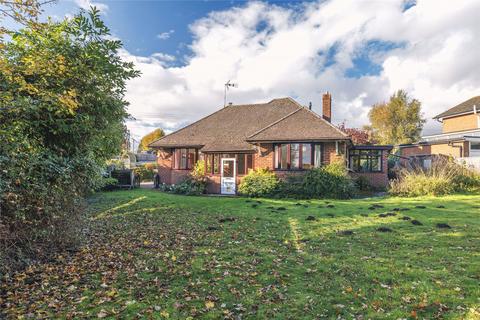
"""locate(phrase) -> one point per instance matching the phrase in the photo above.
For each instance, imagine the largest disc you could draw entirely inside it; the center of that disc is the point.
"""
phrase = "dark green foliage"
(61, 116)
(259, 183)
(190, 187)
(330, 181)
(362, 184)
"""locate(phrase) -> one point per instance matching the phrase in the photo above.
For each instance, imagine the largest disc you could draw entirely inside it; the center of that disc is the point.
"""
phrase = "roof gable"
(303, 124)
(464, 107)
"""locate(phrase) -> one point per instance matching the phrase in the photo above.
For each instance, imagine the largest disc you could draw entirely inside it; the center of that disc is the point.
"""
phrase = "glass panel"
(474, 145)
(284, 156)
(228, 168)
(277, 156)
(294, 156)
(366, 161)
(241, 164)
(209, 158)
(249, 162)
(183, 158)
(363, 165)
(191, 158)
(318, 156)
(216, 162)
(306, 156)
(375, 163)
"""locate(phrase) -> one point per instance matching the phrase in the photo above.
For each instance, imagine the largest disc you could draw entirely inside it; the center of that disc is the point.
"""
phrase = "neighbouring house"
(281, 135)
(460, 137)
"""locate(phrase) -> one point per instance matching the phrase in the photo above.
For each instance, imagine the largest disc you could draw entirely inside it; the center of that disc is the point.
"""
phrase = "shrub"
(106, 184)
(444, 177)
(330, 181)
(195, 183)
(60, 119)
(363, 184)
(146, 172)
(259, 183)
(290, 187)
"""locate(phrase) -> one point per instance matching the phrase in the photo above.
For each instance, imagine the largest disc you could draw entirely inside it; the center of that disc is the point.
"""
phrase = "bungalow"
(460, 137)
(280, 135)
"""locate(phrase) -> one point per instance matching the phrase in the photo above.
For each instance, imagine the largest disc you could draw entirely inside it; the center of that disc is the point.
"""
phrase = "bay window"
(366, 160)
(294, 156)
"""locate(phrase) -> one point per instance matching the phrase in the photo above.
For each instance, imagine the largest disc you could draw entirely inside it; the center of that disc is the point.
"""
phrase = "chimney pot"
(310, 105)
(327, 106)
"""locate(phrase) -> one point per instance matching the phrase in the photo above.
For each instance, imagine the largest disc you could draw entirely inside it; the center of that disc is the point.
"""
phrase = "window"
(241, 164)
(216, 163)
(284, 156)
(294, 156)
(297, 156)
(475, 145)
(249, 162)
(184, 159)
(366, 160)
(306, 156)
(244, 162)
(318, 156)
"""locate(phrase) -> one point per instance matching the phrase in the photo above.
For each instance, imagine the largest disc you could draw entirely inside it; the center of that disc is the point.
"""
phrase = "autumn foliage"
(61, 115)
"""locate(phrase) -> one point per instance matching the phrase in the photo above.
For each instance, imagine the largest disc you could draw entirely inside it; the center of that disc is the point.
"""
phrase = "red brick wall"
(262, 159)
(378, 180)
(167, 174)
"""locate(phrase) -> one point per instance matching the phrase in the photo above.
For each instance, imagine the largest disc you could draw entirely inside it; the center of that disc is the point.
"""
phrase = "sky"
(360, 51)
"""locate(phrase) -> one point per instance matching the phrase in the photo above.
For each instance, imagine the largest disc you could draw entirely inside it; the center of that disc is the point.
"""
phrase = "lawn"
(156, 255)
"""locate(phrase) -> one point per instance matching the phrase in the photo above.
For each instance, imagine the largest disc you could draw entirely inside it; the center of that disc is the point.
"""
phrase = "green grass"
(157, 255)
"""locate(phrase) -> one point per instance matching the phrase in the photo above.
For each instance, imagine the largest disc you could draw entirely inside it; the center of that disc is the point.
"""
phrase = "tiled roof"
(464, 107)
(231, 127)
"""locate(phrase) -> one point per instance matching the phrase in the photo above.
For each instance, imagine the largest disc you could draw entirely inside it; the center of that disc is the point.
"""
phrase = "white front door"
(229, 174)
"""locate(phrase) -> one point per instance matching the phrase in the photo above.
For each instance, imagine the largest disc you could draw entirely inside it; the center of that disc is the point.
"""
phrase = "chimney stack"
(327, 106)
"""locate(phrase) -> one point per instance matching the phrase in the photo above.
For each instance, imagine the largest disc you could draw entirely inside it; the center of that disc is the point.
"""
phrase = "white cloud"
(273, 51)
(86, 4)
(165, 35)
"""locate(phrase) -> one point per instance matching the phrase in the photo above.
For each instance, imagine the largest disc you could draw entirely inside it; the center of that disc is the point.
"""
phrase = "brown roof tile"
(464, 107)
(303, 124)
(229, 128)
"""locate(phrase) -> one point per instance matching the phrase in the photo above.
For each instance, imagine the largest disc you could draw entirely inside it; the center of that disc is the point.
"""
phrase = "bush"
(259, 183)
(106, 184)
(444, 177)
(146, 171)
(330, 181)
(195, 183)
(363, 184)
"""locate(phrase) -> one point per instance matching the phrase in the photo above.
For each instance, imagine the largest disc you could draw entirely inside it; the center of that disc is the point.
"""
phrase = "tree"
(149, 138)
(358, 136)
(398, 121)
(62, 113)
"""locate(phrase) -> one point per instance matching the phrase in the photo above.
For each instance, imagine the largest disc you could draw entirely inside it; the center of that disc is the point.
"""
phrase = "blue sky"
(360, 51)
